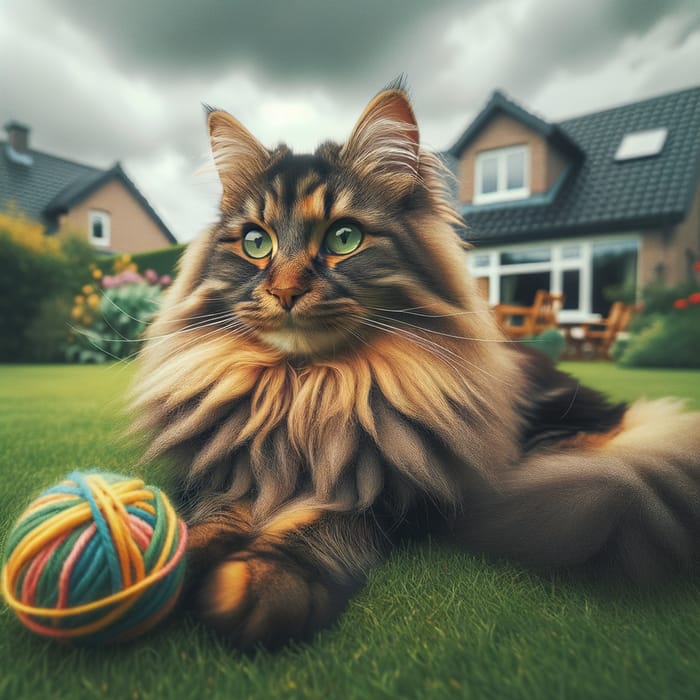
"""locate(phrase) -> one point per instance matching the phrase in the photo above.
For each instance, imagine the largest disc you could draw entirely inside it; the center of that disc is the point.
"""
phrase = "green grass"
(433, 622)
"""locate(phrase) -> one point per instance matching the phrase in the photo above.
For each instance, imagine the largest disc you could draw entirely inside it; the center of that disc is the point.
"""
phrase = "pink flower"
(128, 277)
(108, 281)
(680, 304)
(694, 298)
(166, 281)
(151, 276)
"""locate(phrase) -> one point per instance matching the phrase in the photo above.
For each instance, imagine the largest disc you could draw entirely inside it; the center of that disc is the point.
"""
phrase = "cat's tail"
(630, 496)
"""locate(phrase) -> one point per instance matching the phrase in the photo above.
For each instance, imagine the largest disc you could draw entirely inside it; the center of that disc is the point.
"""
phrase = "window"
(641, 144)
(614, 268)
(501, 175)
(99, 223)
(590, 273)
(520, 289)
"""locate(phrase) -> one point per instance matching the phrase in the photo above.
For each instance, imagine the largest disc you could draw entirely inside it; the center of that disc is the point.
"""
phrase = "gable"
(545, 163)
(599, 193)
(131, 227)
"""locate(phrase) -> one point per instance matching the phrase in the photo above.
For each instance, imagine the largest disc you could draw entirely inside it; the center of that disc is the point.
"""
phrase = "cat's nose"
(287, 296)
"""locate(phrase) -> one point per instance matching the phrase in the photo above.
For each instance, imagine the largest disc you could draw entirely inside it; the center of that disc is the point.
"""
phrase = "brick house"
(69, 197)
(597, 206)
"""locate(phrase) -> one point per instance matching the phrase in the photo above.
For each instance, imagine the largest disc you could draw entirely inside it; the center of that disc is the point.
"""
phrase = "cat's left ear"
(238, 156)
(384, 143)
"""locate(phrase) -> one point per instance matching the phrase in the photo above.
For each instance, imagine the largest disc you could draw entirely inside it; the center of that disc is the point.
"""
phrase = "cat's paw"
(267, 598)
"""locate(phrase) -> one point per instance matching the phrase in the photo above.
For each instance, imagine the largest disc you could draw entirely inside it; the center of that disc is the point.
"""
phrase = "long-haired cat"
(325, 375)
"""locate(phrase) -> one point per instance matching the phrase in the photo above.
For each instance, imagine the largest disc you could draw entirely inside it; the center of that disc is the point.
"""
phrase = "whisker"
(412, 311)
(454, 359)
(451, 358)
(450, 335)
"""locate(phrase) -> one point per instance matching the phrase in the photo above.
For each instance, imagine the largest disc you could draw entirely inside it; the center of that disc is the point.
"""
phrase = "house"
(596, 207)
(68, 197)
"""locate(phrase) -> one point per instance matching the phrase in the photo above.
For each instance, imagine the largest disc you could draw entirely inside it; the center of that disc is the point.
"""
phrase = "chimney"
(17, 136)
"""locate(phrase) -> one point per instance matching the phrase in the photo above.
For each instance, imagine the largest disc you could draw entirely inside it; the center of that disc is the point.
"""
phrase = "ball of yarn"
(97, 558)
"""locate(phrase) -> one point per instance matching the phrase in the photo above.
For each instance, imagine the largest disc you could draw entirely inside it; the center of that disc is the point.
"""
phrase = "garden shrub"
(667, 333)
(551, 342)
(37, 271)
(112, 312)
(163, 260)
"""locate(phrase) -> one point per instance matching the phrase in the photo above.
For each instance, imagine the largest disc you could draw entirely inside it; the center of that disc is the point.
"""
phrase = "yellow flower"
(88, 289)
(79, 299)
(76, 313)
(93, 301)
(86, 320)
(97, 273)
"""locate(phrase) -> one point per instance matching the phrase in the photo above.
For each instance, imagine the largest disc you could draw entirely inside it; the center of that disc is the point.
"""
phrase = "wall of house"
(132, 230)
(546, 164)
(669, 248)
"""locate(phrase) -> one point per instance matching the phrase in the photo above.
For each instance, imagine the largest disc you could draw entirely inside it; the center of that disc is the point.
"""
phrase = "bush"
(112, 313)
(37, 271)
(551, 342)
(163, 260)
(667, 333)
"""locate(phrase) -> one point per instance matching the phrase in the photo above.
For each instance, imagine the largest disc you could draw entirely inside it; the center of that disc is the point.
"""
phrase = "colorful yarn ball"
(98, 558)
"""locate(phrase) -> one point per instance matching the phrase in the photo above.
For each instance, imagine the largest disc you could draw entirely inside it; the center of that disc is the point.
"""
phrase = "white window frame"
(502, 194)
(556, 267)
(104, 217)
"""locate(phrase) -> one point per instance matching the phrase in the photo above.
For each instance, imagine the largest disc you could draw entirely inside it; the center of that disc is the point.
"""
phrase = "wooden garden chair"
(526, 321)
(600, 335)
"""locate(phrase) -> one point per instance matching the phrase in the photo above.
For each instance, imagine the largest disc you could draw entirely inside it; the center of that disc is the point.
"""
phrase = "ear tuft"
(385, 143)
(238, 155)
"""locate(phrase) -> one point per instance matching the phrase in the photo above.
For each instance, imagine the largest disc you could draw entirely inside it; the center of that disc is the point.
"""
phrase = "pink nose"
(287, 296)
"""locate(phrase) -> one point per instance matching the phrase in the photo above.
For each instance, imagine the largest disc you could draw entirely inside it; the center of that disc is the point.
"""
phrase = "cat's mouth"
(330, 328)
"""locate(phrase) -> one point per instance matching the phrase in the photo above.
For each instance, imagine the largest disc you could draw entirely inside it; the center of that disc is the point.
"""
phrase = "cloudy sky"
(108, 80)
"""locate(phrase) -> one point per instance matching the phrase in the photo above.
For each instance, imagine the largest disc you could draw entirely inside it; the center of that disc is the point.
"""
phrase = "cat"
(324, 377)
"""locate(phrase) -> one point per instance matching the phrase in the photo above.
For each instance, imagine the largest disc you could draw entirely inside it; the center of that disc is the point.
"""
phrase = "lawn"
(433, 622)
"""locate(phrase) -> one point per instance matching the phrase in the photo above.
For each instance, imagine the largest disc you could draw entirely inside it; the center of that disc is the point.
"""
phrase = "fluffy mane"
(395, 414)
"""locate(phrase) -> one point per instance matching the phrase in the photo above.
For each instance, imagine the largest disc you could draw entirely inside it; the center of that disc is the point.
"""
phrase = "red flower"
(696, 266)
(680, 304)
(694, 298)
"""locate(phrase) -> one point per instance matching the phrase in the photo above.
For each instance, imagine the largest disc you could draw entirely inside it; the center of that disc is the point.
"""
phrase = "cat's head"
(313, 253)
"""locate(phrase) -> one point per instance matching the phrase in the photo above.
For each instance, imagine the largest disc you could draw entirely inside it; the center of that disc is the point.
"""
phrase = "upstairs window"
(99, 224)
(502, 175)
(641, 144)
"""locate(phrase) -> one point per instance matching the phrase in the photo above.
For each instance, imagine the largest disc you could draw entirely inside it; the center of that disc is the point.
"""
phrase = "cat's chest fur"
(386, 419)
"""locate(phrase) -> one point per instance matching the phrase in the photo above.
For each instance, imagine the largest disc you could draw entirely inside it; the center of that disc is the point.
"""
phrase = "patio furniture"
(601, 335)
(519, 322)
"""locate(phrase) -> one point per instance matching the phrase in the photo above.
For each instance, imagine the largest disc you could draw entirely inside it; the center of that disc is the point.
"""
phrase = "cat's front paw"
(267, 598)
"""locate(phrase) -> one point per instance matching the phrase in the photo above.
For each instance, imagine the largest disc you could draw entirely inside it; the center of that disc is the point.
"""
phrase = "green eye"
(342, 239)
(257, 244)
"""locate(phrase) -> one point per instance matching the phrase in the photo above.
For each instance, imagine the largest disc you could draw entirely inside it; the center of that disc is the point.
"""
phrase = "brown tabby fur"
(314, 403)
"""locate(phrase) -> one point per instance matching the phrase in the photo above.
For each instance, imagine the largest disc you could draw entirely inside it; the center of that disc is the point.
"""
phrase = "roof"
(43, 186)
(598, 194)
(500, 103)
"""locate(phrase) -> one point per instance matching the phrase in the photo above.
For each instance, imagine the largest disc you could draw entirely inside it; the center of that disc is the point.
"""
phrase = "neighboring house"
(595, 207)
(68, 197)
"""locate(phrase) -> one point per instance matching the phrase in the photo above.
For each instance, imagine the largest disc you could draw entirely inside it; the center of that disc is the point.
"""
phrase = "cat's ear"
(238, 155)
(385, 142)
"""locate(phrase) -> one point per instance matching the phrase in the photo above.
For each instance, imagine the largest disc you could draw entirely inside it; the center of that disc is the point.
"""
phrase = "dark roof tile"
(601, 194)
(52, 185)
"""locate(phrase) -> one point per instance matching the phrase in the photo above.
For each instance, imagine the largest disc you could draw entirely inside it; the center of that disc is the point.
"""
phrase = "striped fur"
(307, 435)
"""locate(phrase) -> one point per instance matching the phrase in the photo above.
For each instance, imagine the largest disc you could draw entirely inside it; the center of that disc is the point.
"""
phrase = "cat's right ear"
(238, 156)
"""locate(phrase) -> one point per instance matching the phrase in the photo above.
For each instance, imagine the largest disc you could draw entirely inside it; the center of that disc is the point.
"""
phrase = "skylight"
(641, 144)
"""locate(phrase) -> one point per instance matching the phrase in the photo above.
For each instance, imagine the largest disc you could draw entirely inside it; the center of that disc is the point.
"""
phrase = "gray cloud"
(105, 80)
(299, 41)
